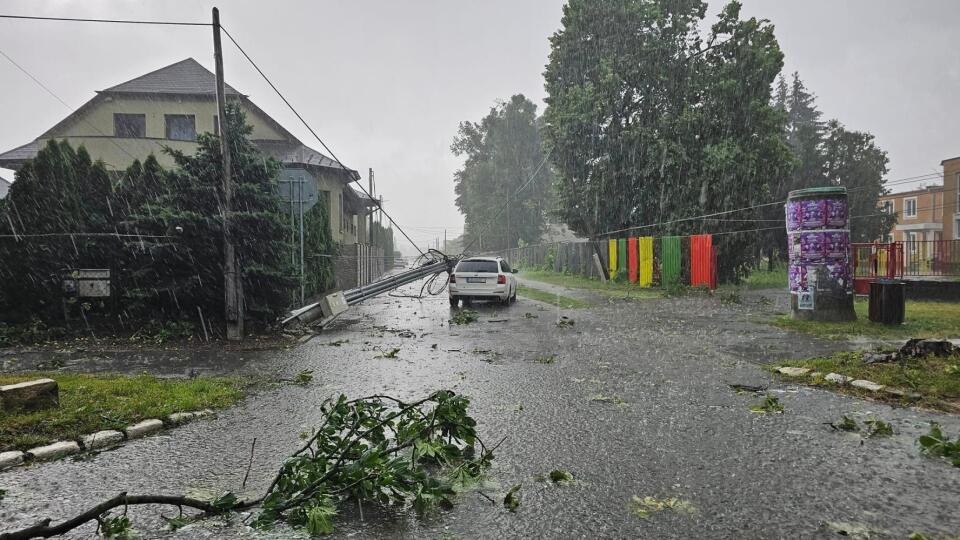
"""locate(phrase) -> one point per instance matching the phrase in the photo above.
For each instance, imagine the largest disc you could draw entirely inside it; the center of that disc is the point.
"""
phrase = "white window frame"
(956, 227)
(912, 242)
(905, 206)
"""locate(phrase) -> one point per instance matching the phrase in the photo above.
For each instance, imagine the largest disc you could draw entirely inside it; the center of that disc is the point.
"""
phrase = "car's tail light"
(453, 278)
(501, 279)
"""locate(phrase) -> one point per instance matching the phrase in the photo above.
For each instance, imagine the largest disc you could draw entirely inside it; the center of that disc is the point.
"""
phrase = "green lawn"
(923, 320)
(762, 279)
(90, 403)
(936, 379)
(547, 297)
(609, 288)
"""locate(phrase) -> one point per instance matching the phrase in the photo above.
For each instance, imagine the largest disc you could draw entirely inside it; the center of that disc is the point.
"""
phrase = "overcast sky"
(385, 83)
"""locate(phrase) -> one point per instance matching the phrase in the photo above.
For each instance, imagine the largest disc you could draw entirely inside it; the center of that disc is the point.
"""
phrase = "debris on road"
(646, 506)
(545, 359)
(565, 322)
(936, 444)
(511, 501)
(464, 316)
(913, 348)
(770, 404)
(558, 476)
(747, 389)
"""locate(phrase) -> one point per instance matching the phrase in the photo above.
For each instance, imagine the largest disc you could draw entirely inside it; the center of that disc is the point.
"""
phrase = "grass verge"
(935, 379)
(564, 302)
(763, 279)
(90, 403)
(609, 288)
(922, 320)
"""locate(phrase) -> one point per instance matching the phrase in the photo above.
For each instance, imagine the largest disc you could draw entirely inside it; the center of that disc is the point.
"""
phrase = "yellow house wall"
(118, 153)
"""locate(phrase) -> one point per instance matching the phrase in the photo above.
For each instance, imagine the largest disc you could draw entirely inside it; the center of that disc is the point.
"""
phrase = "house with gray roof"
(168, 107)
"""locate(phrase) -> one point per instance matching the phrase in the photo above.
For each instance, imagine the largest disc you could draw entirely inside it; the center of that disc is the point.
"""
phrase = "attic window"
(181, 127)
(130, 125)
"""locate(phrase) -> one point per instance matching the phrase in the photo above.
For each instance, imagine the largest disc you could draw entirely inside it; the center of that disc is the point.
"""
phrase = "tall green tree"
(185, 270)
(503, 151)
(853, 160)
(652, 122)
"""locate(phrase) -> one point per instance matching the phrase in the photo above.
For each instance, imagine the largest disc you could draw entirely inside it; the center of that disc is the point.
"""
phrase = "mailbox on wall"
(87, 283)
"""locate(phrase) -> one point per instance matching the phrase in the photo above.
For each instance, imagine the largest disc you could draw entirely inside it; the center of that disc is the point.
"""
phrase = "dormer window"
(131, 126)
(181, 127)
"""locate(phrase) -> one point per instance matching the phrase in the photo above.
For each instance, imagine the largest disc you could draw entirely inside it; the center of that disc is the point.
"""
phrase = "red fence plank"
(632, 259)
(701, 261)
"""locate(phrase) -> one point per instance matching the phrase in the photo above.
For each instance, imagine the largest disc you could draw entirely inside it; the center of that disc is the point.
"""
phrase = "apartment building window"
(133, 126)
(887, 207)
(181, 127)
(910, 207)
(912, 243)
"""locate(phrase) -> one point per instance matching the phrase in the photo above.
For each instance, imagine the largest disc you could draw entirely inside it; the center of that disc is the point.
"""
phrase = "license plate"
(476, 280)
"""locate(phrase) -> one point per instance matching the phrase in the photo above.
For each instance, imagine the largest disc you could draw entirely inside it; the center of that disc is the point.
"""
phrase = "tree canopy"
(652, 122)
(503, 151)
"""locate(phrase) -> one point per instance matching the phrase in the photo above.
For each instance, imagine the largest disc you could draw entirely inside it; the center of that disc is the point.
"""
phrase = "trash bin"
(887, 301)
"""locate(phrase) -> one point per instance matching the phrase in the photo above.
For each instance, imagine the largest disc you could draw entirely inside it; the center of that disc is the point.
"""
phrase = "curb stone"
(10, 459)
(867, 385)
(793, 371)
(102, 439)
(54, 451)
(91, 441)
(142, 429)
(837, 378)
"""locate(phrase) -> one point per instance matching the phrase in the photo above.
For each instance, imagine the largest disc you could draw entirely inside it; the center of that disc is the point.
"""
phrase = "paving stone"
(142, 429)
(102, 439)
(54, 451)
(10, 459)
(30, 395)
(867, 385)
(793, 371)
(837, 378)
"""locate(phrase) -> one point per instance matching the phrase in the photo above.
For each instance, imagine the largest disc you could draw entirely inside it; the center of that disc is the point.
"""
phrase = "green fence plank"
(670, 253)
(622, 256)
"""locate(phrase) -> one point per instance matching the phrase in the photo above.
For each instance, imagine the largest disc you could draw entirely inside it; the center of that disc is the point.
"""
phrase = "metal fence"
(563, 257)
(930, 258)
(916, 259)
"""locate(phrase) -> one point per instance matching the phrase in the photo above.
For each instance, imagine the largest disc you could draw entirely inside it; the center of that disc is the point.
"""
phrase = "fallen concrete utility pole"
(336, 303)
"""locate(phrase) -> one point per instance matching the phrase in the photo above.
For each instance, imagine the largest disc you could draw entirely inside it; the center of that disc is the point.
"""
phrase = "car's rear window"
(478, 266)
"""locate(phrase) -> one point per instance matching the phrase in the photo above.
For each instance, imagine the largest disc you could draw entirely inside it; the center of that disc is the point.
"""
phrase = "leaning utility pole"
(232, 288)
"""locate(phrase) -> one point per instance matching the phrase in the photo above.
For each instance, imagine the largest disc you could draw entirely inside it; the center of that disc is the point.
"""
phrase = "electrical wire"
(113, 21)
(314, 133)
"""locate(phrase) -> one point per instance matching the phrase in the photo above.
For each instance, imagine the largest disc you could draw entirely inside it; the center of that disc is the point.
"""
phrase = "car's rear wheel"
(454, 301)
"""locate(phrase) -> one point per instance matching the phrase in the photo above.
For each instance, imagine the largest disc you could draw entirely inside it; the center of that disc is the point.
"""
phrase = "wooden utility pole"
(232, 288)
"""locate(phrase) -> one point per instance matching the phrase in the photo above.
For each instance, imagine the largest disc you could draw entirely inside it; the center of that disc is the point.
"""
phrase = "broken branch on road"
(376, 449)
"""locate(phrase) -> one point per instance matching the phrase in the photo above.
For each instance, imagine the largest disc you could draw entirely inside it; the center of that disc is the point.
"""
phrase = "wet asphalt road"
(678, 430)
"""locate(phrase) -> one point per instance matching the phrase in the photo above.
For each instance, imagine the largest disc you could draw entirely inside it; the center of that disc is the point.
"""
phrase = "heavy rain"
(447, 269)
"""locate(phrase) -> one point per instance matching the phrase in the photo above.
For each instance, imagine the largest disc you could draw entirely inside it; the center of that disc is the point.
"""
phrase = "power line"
(314, 133)
(752, 207)
(72, 234)
(113, 21)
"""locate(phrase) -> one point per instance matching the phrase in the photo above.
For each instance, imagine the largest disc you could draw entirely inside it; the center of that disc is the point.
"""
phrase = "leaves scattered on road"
(770, 404)
(646, 506)
(559, 476)
(511, 501)
(565, 322)
(304, 377)
(936, 444)
(545, 359)
(388, 353)
(464, 316)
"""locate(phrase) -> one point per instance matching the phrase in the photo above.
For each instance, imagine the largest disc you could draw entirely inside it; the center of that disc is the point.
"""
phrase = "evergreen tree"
(502, 152)
(186, 270)
(59, 201)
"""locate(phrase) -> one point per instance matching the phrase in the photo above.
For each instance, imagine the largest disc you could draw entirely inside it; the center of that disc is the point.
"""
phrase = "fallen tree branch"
(338, 467)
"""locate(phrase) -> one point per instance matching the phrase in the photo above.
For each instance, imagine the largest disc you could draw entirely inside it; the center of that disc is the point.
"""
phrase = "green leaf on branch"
(511, 501)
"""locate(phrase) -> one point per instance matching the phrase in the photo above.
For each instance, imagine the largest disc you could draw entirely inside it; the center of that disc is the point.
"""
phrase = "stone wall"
(357, 264)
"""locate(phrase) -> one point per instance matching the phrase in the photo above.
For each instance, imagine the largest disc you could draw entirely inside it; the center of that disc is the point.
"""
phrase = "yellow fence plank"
(645, 260)
(612, 257)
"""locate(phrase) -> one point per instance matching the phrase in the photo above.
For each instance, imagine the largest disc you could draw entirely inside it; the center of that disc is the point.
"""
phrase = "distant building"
(951, 192)
(4, 187)
(919, 214)
(169, 107)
